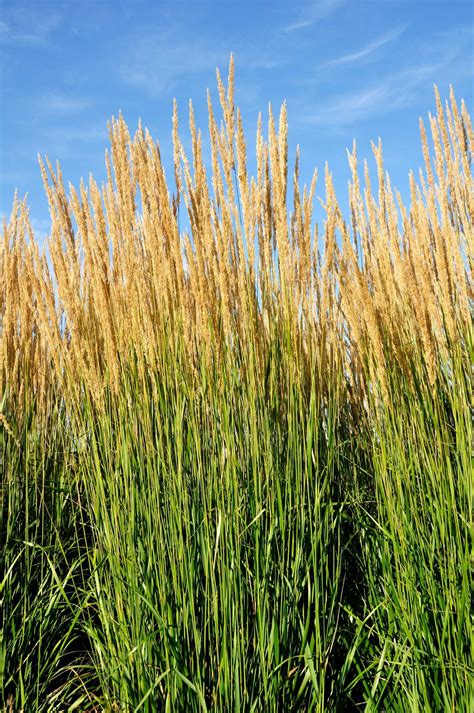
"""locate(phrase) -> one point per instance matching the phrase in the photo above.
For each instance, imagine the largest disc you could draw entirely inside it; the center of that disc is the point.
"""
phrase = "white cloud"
(27, 26)
(438, 60)
(64, 104)
(64, 141)
(156, 65)
(367, 50)
(318, 10)
(393, 91)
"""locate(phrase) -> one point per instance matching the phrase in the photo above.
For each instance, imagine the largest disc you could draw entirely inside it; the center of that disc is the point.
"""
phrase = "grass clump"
(236, 459)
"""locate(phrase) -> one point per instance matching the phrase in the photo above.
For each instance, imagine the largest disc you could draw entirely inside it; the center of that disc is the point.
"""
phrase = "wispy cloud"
(64, 104)
(317, 10)
(391, 92)
(437, 60)
(368, 50)
(67, 141)
(78, 134)
(157, 66)
(27, 26)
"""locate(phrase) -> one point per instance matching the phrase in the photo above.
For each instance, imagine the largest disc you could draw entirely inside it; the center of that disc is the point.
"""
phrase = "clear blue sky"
(347, 68)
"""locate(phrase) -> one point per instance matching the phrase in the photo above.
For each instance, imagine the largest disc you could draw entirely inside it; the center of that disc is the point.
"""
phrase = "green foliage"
(230, 539)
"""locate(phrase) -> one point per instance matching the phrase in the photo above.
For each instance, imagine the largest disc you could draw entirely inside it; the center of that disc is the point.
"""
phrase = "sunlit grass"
(239, 480)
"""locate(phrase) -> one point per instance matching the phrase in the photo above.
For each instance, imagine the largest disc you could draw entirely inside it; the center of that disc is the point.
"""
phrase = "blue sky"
(347, 69)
